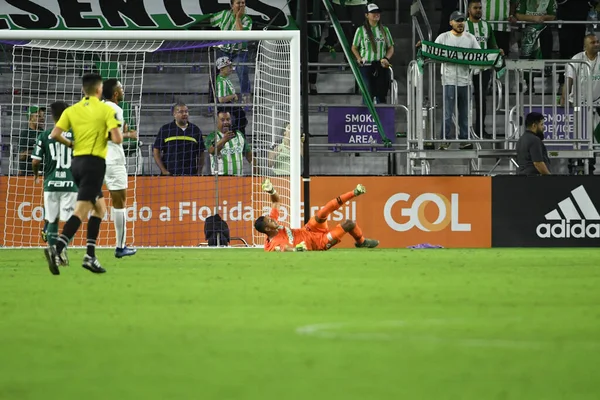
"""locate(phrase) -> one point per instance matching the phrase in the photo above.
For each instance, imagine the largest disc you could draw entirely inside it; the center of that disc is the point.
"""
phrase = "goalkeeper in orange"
(315, 235)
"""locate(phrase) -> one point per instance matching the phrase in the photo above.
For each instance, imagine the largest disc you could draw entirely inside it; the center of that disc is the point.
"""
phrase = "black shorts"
(88, 174)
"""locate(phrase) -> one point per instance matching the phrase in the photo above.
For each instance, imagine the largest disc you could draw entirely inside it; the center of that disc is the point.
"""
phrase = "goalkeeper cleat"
(367, 244)
(53, 259)
(64, 259)
(360, 189)
(44, 235)
(124, 252)
(92, 264)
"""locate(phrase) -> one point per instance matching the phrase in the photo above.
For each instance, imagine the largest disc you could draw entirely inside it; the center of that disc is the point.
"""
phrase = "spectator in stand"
(482, 30)
(227, 148)
(178, 148)
(568, 34)
(373, 48)
(225, 94)
(591, 46)
(538, 11)
(279, 157)
(532, 156)
(27, 138)
(236, 19)
(500, 10)
(456, 81)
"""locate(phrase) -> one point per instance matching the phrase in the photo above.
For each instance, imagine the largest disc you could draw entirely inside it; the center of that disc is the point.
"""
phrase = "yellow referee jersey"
(89, 120)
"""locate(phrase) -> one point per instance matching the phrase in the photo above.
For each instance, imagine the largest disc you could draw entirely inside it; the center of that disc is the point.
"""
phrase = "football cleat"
(53, 259)
(367, 244)
(92, 264)
(124, 252)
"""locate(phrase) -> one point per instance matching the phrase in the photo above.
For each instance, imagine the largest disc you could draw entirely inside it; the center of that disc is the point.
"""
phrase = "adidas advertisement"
(546, 211)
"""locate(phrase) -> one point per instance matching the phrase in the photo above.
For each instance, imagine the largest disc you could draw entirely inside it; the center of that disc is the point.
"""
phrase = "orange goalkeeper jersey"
(287, 237)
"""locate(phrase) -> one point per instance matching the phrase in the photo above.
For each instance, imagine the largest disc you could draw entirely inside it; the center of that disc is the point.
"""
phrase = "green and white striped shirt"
(497, 10)
(225, 20)
(231, 157)
(224, 87)
(483, 32)
(362, 42)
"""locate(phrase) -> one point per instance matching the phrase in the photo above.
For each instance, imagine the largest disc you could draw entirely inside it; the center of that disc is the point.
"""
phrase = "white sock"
(120, 228)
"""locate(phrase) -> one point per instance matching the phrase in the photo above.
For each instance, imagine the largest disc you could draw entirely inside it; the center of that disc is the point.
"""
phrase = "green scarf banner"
(460, 55)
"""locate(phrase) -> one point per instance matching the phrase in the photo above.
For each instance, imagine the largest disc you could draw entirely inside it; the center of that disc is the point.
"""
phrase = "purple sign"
(560, 126)
(356, 125)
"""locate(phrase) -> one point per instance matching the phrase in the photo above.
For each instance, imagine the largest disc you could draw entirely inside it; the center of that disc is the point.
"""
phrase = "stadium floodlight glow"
(47, 66)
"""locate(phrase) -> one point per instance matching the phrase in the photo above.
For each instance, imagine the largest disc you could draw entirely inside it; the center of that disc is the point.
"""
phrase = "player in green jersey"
(60, 191)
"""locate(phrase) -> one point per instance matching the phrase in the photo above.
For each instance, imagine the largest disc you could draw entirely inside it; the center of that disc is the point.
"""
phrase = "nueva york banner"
(132, 14)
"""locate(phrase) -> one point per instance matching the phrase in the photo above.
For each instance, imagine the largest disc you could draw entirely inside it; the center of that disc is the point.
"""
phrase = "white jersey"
(116, 154)
(578, 69)
(457, 74)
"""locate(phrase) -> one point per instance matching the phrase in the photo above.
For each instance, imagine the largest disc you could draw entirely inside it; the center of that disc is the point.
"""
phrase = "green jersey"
(483, 32)
(230, 160)
(224, 87)
(497, 10)
(57, 163)
(365, 47)
(225, 20)
(537, 7)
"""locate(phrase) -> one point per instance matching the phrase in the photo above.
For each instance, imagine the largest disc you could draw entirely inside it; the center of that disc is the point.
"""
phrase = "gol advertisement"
(170, 211)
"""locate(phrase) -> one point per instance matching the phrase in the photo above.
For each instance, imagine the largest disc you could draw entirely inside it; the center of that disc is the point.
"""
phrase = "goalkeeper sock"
(334, 204)
(69, 230)
(120, 226)
(92, 234)
(357, 234)
(52, 231)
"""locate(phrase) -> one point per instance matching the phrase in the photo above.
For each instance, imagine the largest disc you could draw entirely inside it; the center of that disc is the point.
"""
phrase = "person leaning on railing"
(373, 48)
(591, 46)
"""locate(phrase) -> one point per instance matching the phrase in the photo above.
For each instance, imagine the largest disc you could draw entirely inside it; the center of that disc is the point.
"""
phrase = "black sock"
(92, 234)
(69, 230)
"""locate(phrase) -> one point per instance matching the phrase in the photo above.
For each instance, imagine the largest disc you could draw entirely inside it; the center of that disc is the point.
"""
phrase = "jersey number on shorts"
(61, 155)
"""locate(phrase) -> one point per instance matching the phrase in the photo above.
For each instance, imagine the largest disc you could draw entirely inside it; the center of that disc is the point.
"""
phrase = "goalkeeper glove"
(267, 186)
(301, 247)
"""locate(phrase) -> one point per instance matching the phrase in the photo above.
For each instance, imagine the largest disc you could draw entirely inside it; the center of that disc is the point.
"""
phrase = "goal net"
(183, 167)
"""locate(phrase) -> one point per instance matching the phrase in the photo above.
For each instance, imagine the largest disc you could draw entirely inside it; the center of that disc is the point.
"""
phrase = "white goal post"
(266, 130)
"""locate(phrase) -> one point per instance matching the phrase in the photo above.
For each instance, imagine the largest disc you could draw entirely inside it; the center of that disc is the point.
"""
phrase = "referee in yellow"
(93, 124)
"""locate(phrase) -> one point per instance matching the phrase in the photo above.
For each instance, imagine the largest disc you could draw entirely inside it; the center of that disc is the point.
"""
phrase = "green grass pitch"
(344, 324)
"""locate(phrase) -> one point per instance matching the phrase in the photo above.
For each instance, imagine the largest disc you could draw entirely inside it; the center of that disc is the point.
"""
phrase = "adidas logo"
(575, 219)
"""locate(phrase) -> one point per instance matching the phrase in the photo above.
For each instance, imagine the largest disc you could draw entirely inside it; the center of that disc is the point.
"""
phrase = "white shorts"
(59, 205)
(116, 177)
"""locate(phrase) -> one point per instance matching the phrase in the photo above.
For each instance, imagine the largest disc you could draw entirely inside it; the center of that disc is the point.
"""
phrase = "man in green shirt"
(501, 10)
(482, 30)
(235, 19)
(27, 138)
(60, 191)
(225, 94)
(227, 148)
(538, 11)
